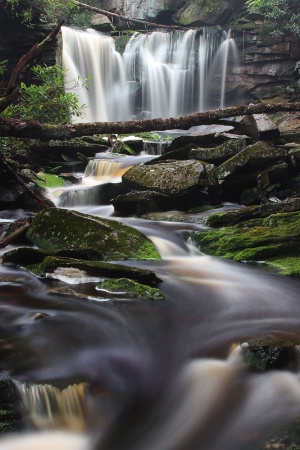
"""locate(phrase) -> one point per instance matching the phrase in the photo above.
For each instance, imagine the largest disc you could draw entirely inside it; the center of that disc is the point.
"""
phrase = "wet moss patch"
(129, 288)
(269, 238)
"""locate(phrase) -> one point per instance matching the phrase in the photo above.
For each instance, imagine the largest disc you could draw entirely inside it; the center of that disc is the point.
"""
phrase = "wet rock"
(259, 155)
(169, 178)
(58, 267)
(195, 13)
(269, 239)
(258, 211)
(263, 127)
(130, 289)
(220, 153)
(11, 409)
(56, 230)
(271, 357)
(10, 195)
(101, 23)
(141, 202)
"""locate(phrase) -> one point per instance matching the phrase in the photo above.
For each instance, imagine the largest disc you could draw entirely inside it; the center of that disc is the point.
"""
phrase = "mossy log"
(28, 129)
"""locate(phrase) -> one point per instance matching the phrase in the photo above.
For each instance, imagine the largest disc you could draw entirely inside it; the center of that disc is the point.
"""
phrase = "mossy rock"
(48, 180)
(58, 230)
(169, 178)
(129, 288)
(50, 264)
(276, 236)
(258, 155)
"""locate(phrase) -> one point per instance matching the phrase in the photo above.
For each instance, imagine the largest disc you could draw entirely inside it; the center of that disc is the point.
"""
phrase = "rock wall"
(269, 67)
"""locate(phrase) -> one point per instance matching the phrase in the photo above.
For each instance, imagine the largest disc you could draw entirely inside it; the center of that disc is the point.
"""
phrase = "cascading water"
(162, 374)
(159, 75)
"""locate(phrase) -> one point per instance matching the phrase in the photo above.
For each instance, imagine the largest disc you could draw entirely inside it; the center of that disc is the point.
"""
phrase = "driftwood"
(128, 19)
(28, 129)
(24, 185)
(9, 238)
(26, 61)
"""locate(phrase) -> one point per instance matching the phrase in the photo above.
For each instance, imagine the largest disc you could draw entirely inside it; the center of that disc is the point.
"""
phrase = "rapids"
(167, 375)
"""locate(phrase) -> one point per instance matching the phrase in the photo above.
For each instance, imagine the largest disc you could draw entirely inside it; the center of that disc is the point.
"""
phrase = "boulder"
(271, 239)
(207, 12)
(70, 233)
(142, 202)
(259, 155)
(169, 178)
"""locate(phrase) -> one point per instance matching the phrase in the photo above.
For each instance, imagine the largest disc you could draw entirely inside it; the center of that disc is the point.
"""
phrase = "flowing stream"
(124, 374)
(170, 375)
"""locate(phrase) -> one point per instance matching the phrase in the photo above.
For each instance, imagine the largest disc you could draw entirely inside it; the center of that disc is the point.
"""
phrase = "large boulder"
(70, 233)
(207, 12)
(169, 178)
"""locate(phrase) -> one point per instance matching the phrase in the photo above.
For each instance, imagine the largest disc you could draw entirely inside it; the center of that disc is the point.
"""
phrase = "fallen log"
(20, 128)
(128, 20)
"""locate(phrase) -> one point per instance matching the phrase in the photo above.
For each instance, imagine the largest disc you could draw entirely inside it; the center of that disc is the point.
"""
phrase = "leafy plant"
(26, 10)
(3, 67)
(47, 101)
(282, 16)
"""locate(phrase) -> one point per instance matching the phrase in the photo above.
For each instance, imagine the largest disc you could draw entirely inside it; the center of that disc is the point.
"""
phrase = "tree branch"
(23, 64)
(128, 19)
(28, 129)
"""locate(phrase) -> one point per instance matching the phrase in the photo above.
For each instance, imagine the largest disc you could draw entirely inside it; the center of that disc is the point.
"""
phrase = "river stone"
(57, 230)
(141, 202)
(170, 178)
(124, 287)
(219, 154)
(258, 155)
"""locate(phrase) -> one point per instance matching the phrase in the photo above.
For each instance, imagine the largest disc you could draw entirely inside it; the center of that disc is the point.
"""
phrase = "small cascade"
(160, 74)
(154, 147)
(100, 168)
(51, 408)
(97, 172)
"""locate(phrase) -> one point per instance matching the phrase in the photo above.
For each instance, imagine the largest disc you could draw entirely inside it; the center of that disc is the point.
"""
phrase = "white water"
(160, 74)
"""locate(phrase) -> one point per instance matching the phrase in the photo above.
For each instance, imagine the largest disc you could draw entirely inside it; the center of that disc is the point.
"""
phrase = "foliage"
(3, 67)
(282, 16)
(27, 10)
(46, 102)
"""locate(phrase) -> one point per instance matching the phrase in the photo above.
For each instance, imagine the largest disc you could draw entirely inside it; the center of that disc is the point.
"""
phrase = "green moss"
(286, 266)
(277, 235)
(56, 230)
(130, 288)
(49, 180)
(93, 268)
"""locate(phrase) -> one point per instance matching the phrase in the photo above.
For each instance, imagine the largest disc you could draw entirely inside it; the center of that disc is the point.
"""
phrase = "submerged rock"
(88, 237)
(129, 288)
(67, 268)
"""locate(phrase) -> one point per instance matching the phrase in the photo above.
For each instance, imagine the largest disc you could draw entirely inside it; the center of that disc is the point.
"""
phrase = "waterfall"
(50, 407)
(160, 74)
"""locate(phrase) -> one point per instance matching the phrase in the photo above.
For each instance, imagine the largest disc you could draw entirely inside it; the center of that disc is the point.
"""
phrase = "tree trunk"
(28, 129)
(26, 61)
